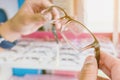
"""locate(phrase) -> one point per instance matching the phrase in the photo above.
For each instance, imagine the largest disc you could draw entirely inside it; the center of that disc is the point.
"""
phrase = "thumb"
(89, 70)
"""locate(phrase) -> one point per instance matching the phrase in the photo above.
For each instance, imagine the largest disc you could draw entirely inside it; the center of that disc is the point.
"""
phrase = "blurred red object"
(44, 77)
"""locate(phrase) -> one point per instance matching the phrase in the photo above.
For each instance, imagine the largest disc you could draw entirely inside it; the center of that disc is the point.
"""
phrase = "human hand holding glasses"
(90, 70)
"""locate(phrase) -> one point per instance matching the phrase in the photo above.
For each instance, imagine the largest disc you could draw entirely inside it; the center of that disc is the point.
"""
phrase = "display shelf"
(39, 51)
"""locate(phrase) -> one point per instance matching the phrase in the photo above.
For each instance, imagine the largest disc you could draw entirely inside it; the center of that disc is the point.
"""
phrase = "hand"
(89, 70)
(27, 20)
(29, 17)
(108, 64)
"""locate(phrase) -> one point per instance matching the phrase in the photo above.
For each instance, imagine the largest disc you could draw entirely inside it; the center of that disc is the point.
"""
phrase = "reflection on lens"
(69, 57)
(76, 35)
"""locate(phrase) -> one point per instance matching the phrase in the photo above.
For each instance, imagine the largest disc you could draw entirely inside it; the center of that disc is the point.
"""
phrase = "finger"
(108, 59)
(105, 70)
(45, 3)
(89, 70)
(55, 13)
(35, 21)
(110, 65)
(38, 5)
(56, 16)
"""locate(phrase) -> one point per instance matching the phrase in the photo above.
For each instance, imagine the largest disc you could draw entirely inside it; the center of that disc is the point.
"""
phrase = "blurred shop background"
(100, 16)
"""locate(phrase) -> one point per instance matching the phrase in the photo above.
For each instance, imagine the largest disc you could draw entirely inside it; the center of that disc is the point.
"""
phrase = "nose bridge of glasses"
(62, 14)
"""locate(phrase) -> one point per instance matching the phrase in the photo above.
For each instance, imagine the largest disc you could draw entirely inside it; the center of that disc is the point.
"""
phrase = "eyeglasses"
(76, 43)
(77, 35)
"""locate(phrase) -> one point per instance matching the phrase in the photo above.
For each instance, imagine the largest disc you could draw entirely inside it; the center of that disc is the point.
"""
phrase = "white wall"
(10, 6)
(119, 15)
(99, 15)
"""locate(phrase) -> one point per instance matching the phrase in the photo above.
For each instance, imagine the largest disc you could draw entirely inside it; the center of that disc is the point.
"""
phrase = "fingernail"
(90, 59)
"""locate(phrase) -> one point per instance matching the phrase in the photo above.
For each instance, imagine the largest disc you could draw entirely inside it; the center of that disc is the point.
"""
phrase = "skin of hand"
(27, 20)
(108, 64)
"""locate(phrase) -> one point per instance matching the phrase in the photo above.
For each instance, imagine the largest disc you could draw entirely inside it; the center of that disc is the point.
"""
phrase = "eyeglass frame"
(95, 43)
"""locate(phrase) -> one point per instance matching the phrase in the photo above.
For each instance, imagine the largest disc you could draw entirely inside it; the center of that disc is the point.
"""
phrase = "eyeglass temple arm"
(89, 46)
(97, 49)
(55, 33)
(97, 55)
